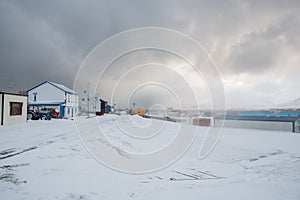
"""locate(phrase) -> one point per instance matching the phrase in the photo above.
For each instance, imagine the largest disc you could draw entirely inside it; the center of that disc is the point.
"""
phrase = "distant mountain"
(291, 104)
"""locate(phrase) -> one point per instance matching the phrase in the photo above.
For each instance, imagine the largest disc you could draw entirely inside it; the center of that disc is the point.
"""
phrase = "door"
(62, 111)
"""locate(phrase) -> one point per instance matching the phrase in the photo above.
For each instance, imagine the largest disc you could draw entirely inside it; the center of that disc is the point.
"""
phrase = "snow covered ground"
(46, 160)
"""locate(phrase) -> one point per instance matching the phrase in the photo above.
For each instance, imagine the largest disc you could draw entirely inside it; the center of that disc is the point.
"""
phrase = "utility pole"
(87, 93)
(88, 100)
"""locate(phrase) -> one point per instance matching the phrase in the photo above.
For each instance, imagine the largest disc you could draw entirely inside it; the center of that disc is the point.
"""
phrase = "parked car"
(36, 115)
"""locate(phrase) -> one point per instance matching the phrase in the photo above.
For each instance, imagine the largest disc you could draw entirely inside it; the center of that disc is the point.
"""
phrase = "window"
(15, 108)
(68, 111)
(34, 96)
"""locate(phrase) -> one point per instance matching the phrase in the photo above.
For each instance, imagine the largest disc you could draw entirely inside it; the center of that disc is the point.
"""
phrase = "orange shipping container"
(138, 111)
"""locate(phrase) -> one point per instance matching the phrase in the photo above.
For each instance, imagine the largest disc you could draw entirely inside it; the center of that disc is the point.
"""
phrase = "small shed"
(13, 108)
(202, 121)
(103, 105)
(276, 123)
(138, 111)
(108, 108)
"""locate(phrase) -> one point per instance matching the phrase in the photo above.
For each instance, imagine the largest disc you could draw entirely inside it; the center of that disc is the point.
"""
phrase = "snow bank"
(46, 160)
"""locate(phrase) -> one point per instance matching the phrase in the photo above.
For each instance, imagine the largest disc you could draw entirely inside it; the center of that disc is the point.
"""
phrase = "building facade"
(54, 95)
(276, 123)
(13, 108)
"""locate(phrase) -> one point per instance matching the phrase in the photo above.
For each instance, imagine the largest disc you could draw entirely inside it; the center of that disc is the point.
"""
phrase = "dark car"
(36, 115)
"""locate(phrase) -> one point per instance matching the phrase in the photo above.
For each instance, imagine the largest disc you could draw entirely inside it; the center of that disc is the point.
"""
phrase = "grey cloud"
(255, 55)
(48, 40)
(260, 51)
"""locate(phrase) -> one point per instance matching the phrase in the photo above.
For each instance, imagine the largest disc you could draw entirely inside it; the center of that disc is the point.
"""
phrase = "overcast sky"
(255, 44)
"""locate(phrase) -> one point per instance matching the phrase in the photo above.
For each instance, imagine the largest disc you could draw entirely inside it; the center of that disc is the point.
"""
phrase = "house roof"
(271, 113)
(259, 118)
(13, 94)
(59, 86)
(103, 101)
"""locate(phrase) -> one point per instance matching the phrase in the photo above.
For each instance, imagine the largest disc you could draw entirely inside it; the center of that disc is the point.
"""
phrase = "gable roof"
(59, 86)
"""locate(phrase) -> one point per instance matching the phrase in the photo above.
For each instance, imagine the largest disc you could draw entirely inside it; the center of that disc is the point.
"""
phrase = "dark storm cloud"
(32, 50)
(49, 39)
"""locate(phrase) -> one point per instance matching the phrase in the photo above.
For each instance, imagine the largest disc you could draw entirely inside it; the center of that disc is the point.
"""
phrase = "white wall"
(264, 125)
(0, 108)
(47, 92)
(297, 126)
(71, 105)
(7, 119)
(72, 100)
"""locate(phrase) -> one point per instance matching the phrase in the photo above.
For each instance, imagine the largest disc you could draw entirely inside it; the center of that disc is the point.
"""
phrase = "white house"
(54, 95)
(13, 108)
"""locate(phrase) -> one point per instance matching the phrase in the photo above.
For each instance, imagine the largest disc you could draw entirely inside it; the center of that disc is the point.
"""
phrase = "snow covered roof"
(16, 94)
(59, 86)
(259, 118)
